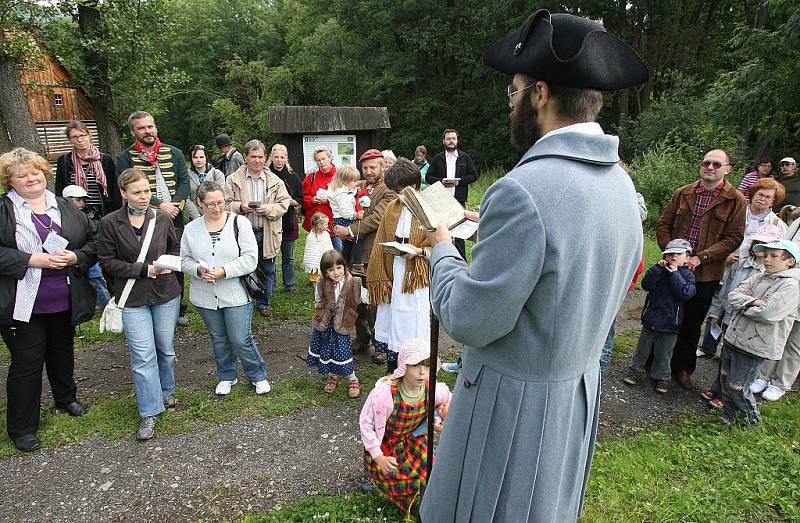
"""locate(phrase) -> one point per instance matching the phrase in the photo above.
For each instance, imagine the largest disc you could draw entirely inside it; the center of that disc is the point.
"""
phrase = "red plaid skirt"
(403, 485)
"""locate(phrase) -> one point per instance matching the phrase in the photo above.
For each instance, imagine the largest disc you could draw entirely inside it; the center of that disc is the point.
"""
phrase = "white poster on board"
(342, 145)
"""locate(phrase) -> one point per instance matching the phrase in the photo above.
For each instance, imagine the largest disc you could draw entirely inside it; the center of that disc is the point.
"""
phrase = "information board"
(342, 145)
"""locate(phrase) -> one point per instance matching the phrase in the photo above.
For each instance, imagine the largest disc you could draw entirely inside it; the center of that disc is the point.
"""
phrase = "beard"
(525, 128)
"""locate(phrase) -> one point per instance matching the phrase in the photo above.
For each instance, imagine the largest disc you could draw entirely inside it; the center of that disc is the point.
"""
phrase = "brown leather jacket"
(721, 227)
(366, 227)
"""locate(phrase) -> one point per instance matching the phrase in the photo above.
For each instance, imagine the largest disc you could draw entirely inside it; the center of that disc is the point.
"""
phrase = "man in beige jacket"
(254, 191)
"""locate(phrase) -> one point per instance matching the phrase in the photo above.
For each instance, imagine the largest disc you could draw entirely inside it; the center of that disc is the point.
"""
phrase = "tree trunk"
(761, 15)
(14, 108)
(5, 140)
(90, 23)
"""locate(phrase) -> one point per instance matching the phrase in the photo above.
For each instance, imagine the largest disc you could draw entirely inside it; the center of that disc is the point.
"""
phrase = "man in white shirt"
(456, 170)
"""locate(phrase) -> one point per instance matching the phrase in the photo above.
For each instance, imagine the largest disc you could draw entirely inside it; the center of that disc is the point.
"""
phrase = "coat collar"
(577, 145)
(727, 192)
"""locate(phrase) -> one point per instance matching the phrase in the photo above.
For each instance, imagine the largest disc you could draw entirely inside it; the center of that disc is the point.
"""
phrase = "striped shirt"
(94, 202)
(28, 241)
(258, 190)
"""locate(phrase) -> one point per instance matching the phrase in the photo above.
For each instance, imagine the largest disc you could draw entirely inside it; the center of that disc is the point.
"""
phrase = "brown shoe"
(265, 311)
(684, 379)
(353, 389)
(330, 385)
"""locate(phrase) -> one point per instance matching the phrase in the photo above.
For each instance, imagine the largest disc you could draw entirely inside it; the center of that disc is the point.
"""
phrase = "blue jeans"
(268, 266)
(608, 348)
(231, 337)
(337, 243)
(709, 344)
(150, 331)
(99, 284)
(287, 264)
(738, 369)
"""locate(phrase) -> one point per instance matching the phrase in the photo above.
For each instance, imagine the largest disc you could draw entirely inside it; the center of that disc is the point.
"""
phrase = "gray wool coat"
(560, 239)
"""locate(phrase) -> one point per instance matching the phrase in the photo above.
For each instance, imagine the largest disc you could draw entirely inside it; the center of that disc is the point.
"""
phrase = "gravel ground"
(222, 472)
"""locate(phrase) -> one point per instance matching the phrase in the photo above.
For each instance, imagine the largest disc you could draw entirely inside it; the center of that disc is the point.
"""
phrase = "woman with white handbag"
(46, 248)
(131, 239)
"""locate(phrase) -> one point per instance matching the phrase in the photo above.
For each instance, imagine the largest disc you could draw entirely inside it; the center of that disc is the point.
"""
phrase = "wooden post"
(432, 386)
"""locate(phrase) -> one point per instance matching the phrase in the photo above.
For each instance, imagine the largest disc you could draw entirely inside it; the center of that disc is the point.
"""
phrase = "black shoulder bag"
(254, 283)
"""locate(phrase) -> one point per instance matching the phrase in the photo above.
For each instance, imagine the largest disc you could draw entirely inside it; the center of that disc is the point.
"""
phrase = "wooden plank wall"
(55, 141)
(40, 85)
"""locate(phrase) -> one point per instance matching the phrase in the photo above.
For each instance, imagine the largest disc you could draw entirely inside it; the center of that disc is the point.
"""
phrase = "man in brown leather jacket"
(377, 198)
(710, 213)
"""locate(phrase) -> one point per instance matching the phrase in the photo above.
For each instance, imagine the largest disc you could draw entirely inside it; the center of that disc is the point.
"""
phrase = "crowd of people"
(726, 260)
(729, 260)
(110, 235)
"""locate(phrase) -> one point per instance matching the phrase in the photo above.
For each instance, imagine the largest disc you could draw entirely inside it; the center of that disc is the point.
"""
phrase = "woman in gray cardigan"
(215, 259)
(200, 171)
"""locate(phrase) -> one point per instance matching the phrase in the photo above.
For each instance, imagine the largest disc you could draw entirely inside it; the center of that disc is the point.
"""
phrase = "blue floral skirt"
(330, 352)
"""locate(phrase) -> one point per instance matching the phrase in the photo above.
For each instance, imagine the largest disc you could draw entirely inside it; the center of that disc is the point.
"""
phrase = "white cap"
(788, 159)
(74, 191)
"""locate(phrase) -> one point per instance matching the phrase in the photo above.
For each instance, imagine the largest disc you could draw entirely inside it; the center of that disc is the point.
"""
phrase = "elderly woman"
(763, 195)
(312, 183)
(217, 249)
(46, 248)
(150, 312)
(398, 285)
(89, 169)
(200, 171)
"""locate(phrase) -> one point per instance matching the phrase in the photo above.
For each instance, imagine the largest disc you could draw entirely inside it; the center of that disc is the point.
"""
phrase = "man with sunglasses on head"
(710, 214)
(790, 181)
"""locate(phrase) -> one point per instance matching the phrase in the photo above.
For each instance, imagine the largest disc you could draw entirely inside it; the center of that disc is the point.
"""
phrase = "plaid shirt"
(704, 198)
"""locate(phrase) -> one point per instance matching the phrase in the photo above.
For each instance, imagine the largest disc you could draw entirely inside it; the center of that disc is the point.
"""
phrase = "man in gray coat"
(559, 241)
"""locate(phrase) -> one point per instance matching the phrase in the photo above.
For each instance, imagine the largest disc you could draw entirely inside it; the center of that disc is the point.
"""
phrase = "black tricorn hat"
(568, 50)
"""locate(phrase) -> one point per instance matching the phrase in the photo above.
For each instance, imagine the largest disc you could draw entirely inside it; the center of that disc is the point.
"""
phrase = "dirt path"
(248, 465)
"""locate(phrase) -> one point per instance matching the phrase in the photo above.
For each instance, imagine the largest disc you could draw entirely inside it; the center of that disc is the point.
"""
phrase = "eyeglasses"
(712, 163)
(786, 163)
(512, 91)
(215, 205)
(199, 148)
(763, 196)
(77, 136)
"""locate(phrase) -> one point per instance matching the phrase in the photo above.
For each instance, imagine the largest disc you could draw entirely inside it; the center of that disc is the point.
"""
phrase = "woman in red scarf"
(95, 173)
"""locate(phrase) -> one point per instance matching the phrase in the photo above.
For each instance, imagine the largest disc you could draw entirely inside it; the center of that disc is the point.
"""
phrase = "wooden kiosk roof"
(300, 119)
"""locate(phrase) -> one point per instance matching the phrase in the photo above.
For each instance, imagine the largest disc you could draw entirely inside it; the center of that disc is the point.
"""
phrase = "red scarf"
(152, 158)
(92, 156)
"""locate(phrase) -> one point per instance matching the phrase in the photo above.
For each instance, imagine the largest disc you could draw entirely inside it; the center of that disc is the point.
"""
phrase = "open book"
(398, 249)
(433, 205)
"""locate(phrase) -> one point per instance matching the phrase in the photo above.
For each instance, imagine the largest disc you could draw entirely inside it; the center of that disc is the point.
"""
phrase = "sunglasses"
(199, 148)
(712, 163)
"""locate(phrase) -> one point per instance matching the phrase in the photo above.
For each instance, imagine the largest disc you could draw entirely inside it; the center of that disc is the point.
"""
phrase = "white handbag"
(111, 319)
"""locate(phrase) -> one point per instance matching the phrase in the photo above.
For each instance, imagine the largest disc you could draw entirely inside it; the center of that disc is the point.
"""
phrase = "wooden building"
(52, 104)
(349, 131)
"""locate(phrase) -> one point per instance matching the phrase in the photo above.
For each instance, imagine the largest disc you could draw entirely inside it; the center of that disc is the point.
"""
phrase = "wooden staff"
(432, 386)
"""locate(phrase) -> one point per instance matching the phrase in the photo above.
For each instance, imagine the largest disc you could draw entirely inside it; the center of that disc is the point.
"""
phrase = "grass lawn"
(693, 471)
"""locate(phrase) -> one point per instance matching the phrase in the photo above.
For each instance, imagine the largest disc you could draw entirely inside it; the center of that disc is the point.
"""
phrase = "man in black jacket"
(456, 170)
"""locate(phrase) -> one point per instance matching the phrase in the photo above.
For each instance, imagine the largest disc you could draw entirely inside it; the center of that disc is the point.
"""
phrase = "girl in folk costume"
(336, 301)
(318, 242)
(395, 450)
(398, 285)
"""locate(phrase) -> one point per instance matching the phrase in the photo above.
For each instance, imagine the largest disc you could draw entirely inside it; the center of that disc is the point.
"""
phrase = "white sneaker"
(224, 387)
(773, 393)
(262, 387)
(758, 385)
(452, 367)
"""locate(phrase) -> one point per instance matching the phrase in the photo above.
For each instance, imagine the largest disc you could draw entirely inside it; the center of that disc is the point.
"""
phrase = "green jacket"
(173, 169)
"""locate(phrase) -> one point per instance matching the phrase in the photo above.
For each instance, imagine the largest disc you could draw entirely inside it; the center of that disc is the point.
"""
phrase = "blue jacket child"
(667, 292)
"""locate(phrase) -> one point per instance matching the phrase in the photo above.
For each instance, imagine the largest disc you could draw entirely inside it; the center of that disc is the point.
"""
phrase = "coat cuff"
(442, 251)
(375, 452)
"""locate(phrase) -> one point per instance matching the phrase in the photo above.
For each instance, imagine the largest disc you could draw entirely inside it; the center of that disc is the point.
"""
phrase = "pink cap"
(767, 233)
(412, 351)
